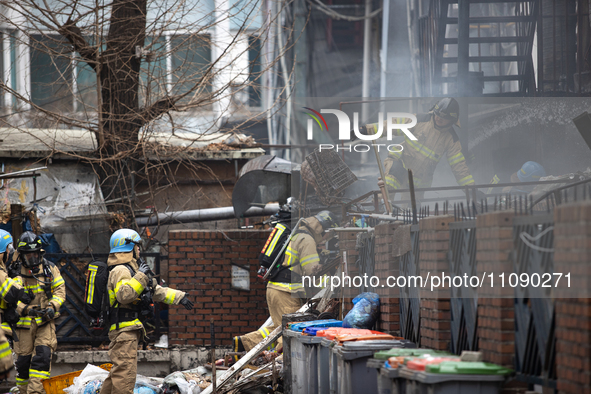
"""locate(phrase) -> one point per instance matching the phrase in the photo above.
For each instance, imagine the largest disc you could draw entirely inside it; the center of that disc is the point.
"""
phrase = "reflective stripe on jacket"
(422, 155)
(301, 255)
(124, 289)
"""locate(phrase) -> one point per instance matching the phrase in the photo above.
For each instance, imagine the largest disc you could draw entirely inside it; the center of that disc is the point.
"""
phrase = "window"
(51, 73)
(254, 71)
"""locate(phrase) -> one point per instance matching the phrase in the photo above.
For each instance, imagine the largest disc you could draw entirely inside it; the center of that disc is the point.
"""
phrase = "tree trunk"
(119, 74)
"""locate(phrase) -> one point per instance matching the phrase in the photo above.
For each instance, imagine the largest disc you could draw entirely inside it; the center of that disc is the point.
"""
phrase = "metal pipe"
(204, 215)
(13, 174)
(349, 229)
(384, 54)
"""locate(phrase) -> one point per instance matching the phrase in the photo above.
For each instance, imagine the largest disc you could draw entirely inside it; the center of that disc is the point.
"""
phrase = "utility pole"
(301, 76)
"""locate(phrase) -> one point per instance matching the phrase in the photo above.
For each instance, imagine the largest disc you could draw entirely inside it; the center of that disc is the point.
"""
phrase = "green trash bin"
(456, 377)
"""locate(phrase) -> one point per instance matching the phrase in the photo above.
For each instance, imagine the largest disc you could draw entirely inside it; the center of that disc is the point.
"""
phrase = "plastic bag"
(89, 374)
(364, 313)
(93, 387)
(185, 387)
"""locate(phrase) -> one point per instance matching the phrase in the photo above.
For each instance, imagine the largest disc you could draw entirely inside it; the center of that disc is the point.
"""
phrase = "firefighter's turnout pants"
(34, 349)
(280, 303)
(123, 354)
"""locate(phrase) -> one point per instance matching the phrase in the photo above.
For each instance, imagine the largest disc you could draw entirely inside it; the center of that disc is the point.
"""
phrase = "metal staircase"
(478, 47)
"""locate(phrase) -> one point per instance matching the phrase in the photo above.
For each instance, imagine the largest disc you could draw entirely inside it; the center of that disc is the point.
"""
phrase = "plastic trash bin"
(309, 345)
(456, 377)
(323, 356)
(390, 381)
(297, 360)
(382, 384)
(353, 375)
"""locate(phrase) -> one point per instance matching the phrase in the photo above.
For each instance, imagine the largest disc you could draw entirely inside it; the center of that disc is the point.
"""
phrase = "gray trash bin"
(298, 362)
(323, 363)
(382, 382)
(420, 382)
(309, 346)
(353, 374)
(392, 381)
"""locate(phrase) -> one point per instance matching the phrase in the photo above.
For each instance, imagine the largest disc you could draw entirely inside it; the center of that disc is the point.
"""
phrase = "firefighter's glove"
(11, 316)
(144, 268)
(25, 298)
(186, 302)
(49, 314)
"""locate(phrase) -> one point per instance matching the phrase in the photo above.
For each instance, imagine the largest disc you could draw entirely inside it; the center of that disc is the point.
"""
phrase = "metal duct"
(262, 180)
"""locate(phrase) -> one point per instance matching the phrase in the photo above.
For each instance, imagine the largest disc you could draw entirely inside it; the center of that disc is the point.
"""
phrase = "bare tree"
(126, 69)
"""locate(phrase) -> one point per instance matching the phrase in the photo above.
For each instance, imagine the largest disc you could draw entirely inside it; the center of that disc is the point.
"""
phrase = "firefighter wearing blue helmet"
(131, 289)
(11, 293)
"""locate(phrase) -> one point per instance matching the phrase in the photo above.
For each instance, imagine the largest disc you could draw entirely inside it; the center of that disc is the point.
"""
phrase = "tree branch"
(74, 35)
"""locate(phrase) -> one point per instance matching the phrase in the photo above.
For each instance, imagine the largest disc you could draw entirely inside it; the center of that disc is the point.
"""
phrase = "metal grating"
(464, 301)
(331, 173)
(535, 341)
(410, 304)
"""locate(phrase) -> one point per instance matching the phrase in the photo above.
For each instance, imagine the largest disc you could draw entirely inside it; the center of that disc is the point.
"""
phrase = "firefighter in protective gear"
(127, 283)
(530, 171)
(11, 292)
(285, 291)
(435, 137)
(36, 328)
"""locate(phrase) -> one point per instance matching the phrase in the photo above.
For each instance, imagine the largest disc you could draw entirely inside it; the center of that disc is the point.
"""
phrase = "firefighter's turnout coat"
(301, 258)
(124, 290)
(37, 338)
(423, 155)
(9, 292)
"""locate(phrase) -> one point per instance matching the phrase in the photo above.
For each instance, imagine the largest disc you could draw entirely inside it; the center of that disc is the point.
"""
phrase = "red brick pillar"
(200, 263)
(572, 253)
(496, 314)
(387, 265)
(435, 305)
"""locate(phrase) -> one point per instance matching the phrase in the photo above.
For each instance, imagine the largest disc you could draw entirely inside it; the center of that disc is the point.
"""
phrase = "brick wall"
(200, 263)
(435, 305)
(572, 253)
(496, 317)
(386, 265)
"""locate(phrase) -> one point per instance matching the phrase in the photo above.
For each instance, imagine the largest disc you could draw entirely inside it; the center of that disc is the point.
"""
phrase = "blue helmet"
(124, 240)
(5, 241)
(531, 172)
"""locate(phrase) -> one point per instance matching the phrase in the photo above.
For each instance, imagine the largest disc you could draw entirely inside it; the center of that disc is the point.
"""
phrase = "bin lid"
(307, 339)
(386, 354)
(467, 368)
(419, 364)
(299, 326)
(290, 333)
(355, 350)
(332, 332)
(313, 330)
